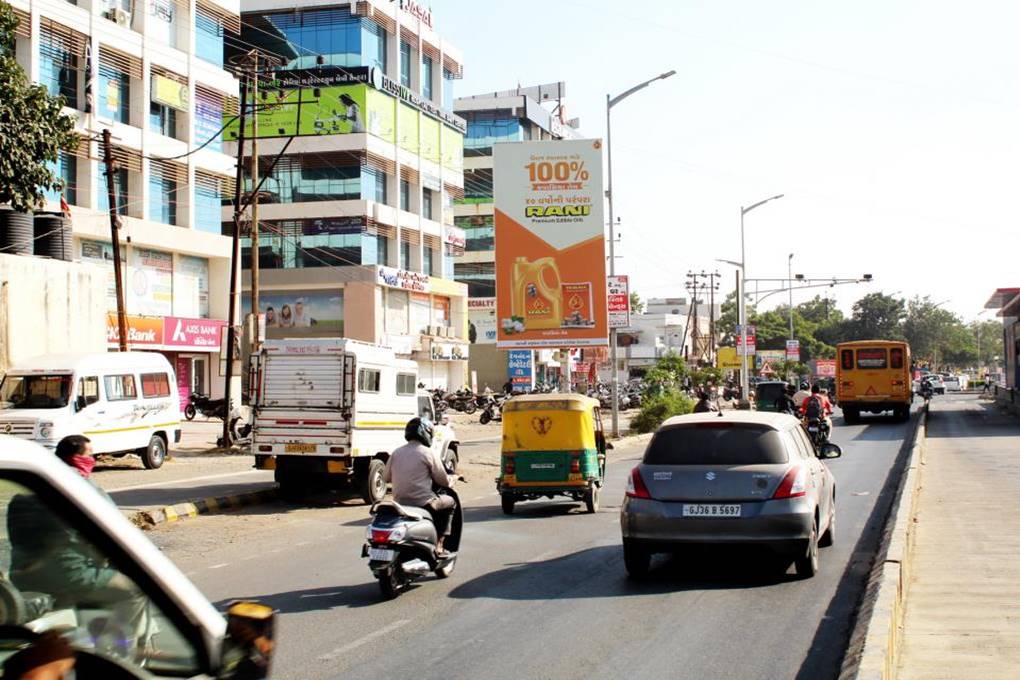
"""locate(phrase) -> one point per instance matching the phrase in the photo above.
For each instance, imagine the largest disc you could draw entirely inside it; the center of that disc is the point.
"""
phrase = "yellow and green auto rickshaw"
(553, 445)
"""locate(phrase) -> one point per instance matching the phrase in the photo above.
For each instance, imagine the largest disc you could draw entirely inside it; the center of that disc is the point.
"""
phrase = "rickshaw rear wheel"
(591, 498)
(508, 501)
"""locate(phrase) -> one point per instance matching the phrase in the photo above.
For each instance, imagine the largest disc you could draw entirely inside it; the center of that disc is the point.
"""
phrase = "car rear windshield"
(716, 444)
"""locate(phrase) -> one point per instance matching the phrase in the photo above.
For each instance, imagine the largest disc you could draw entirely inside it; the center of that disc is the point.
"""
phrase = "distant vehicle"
(873, 376)
(743, 477)
(938, 384)
(955, 383)
(770, 395)
(328, 411)
(125, 402)
(50, 514)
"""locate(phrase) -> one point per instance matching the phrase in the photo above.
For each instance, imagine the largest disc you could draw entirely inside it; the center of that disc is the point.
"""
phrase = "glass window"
(405, 64)
(405, 255)
(66, 570)
(66, 168)
(426, 261)
(447, 90)
(479, 232)
(35, 391)
(335, 34)
(368, 380)
(477, 186)
(163, 119)
(373, 185)
(426, 204)
(162, 199)
(426, 76)
(377, 251)
(373, 45)
(58, 69)
(846, 359)
(724, 444)
(155, 385)
(120, 387)
(88, 390)
(405, 195)
(484, 130)
(114, 100)
(208, 209)
(896, 357)
(872, 357)
(406, 383)
(120, 190)
(208, 37)
(480, 277)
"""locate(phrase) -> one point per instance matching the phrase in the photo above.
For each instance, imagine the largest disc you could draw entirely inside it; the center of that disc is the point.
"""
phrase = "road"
(543, 594)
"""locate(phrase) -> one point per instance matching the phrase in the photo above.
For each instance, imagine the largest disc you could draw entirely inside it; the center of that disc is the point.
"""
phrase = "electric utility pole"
(118, 272)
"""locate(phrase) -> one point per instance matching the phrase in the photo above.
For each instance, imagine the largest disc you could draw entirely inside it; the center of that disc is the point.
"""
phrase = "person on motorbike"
(817, 405)
(803, 393)
(413, 469)
(788, 403)
(705, 404)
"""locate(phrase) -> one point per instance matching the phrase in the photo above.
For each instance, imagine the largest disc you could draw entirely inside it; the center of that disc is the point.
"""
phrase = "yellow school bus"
(873, 376)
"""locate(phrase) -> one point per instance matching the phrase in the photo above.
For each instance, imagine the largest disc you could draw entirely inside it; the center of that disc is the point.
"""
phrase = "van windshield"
(35, 391)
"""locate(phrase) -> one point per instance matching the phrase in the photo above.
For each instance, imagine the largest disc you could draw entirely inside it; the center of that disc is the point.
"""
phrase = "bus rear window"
(846, 359)
(872, 358)
(896, 357)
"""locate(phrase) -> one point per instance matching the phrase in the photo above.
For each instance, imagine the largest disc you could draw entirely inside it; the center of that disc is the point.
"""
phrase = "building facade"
(356, 228)
(153, 74)
(525, 113)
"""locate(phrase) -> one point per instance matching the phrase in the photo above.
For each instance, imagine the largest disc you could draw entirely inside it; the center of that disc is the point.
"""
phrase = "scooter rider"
(413, 469)
(803, 393)
(823, 407)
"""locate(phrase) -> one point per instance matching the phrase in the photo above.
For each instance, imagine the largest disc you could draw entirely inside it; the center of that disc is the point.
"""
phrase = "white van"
(124, 402)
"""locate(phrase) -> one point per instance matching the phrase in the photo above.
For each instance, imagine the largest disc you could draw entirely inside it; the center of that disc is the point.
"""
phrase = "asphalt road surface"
(544, 594)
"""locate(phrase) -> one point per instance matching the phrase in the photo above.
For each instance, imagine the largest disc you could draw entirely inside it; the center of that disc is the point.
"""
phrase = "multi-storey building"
(153, 74)
(356, 232)
(514, 115)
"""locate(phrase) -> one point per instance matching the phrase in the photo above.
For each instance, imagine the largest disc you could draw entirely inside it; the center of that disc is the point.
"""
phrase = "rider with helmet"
(803, 393)
(414, 468)
(817, 406)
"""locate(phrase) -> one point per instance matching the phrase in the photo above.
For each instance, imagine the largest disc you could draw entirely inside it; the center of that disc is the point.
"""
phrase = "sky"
(890, 126)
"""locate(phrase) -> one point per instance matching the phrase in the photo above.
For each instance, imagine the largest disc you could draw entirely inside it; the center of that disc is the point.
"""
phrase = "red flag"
(64, 207)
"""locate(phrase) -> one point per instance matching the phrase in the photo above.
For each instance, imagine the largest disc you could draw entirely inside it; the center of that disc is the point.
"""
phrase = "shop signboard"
(101, 253)
(300, 313)
(441, 350)
(618, 300)
(793, 350)
(455, 236)
(520, 368)
(550, 249)
(401, 278)
(202, 335)
(144, 331)
(482, 320)
(825, 368)
(770, 356)
(169, 92)
(751, 339)
(727, 359)
(191, 287)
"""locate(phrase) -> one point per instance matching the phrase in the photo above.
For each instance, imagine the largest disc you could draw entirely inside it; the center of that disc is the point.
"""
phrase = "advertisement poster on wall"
(150, 287)
(101, 253)
(550, 248)
(482, 320)
(300, 313)
(191, 287)
(520, 369)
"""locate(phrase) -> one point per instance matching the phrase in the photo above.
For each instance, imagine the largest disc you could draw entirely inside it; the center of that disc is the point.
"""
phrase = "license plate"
(543, 466)
(706, 510)
(812, 429)
(381, 554)
(299, 448)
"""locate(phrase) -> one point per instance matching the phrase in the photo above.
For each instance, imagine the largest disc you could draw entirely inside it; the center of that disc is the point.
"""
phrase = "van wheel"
(154, 454)
(372, 486)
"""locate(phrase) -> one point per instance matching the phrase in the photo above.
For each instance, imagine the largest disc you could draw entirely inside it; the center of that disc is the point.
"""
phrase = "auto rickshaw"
(553, 445)
(768, 395)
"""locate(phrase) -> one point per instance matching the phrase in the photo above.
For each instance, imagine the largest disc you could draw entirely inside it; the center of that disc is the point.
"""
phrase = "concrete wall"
(490, 364)
(50, 307)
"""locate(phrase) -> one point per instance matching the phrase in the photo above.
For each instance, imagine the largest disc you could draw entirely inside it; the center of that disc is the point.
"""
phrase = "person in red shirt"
(824, 404)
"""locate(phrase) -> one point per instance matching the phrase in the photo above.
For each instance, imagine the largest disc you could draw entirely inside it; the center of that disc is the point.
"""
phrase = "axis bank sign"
(418, 11)
(169, 332)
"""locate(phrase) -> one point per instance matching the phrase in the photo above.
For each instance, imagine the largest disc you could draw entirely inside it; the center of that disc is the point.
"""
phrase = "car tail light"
(508, 466)
(336, 449)
(794, 483)
(636, 486)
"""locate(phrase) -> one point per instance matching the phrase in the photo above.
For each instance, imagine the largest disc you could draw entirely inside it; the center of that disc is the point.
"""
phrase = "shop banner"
(728, 360)
(151, 283)
(520, 368)
(202, 335)
(447, 351)
(618, 297)
(550, 249)
(769, 356)
(401, 278)
(142, 330)
(482, 320)
(825, 368)
(300, 313)
(793, 350)
(751, 339)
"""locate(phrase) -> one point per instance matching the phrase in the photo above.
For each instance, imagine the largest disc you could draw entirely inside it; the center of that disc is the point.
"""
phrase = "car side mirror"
(248, 647)
(80, 403)
(830, 450)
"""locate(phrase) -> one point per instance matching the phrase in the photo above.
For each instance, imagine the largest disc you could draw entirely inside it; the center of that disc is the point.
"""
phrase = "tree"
(930, 330)
(876, 317)
(32, 128)
(670, 372)
(987, 341)
(636, 304)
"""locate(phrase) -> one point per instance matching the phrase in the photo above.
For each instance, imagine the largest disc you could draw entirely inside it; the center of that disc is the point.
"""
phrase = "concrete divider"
(148, 519)
(880, 618)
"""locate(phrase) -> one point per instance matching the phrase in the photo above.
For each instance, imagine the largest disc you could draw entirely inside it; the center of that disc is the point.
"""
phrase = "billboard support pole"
(614, 377)
(567, 374)
(254, 199)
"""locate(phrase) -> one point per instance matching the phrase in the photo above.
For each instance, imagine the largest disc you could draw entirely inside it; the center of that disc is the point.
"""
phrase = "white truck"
(328, 411)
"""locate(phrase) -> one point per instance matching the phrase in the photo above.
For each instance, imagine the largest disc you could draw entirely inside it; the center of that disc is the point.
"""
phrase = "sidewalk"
(962, 608)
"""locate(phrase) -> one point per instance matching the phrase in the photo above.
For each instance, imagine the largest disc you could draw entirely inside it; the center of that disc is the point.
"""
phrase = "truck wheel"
(290, 484)
(372, 486)
(508, 501)
(154, 454)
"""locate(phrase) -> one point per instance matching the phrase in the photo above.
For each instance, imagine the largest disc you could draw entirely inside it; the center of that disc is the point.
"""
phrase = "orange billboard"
(550, 249)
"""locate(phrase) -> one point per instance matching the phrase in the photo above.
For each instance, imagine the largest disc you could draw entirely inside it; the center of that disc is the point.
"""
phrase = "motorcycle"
(439, 404)
(201, 403)
(240, 428)
(461, 400)
(492, 409)
(818, 433)
(401, 544)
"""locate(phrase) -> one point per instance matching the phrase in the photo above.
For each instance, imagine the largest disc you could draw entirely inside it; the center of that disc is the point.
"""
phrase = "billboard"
(482, 320)
(520, 368)
(793, 350)
(772, 357)
(618, 300)
(293, 314)
(550, 248)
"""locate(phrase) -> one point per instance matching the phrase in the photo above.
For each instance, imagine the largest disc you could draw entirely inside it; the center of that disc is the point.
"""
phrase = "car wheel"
(373, 486)
(591, 498)
(636, 559)
(508, 501)
(154, 454)
(807, 564)
(189, 412)
(829, 537)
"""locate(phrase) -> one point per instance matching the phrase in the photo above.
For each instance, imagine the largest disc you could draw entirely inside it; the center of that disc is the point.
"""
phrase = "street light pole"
(610, 103)
(741, 305)
(789, 278)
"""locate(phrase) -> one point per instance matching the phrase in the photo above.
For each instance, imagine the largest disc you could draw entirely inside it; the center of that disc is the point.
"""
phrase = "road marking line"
(219, 566)
(182, 481)
(385, 630)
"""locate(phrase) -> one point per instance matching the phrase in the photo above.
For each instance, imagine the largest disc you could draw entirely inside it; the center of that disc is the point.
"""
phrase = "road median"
(873, 648)
(150, 519)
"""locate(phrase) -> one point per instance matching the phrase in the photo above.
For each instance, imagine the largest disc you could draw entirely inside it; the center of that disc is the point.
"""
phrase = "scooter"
(401, 544)
(818, 433)
(200, 403)
(492, 409)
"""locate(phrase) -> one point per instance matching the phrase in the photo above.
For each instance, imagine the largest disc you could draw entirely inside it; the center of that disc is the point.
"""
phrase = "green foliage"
(657, 409)
(876, 317)
(707, 374)
(637, 306)
(32, 128)
(669, 373)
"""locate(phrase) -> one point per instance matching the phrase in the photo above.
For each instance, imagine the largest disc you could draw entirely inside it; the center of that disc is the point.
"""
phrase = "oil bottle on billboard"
(538, 304)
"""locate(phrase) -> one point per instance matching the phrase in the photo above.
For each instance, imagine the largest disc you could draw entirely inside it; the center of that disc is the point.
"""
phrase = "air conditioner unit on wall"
(122, 18)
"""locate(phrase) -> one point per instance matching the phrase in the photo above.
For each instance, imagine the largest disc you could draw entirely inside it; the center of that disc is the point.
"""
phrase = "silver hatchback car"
(735, 477)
